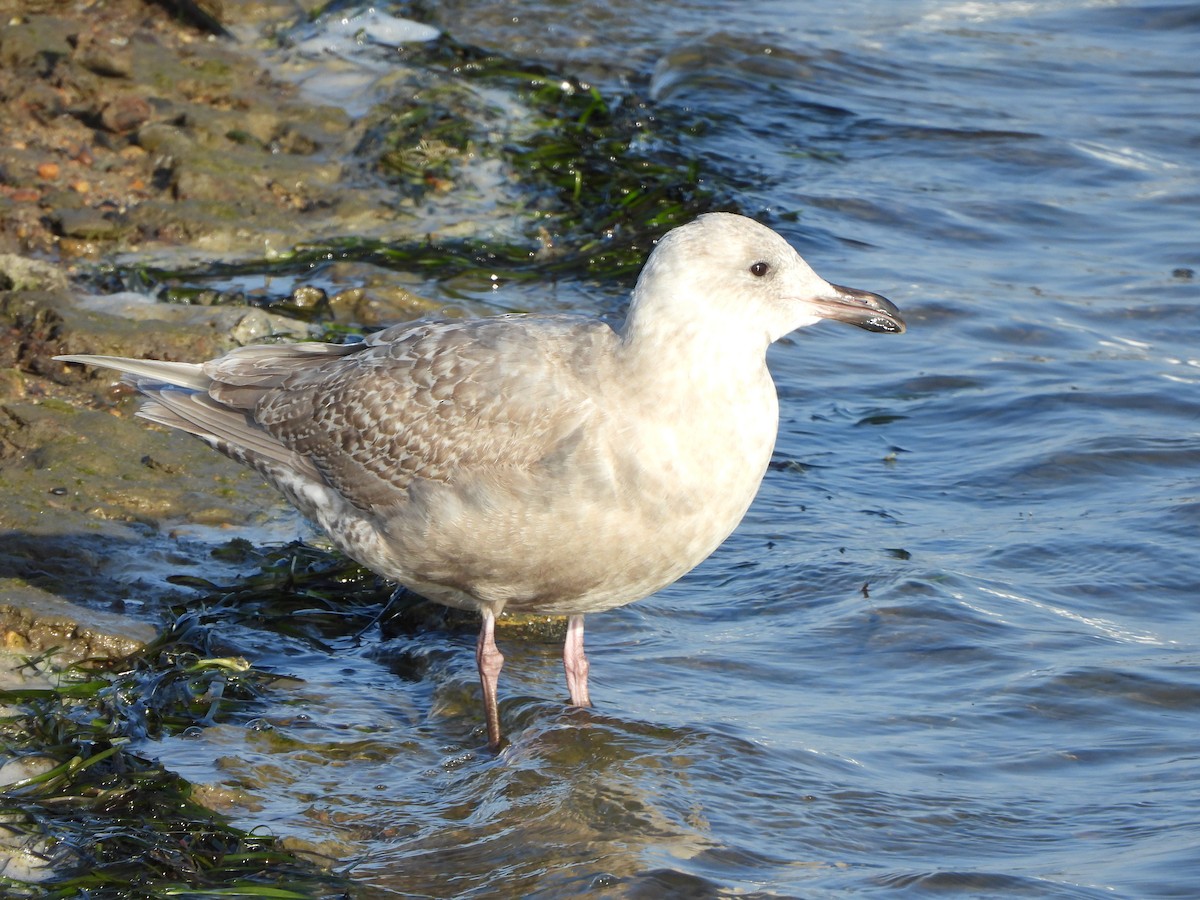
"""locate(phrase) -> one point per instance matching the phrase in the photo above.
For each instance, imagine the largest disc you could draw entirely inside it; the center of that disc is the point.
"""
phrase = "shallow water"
(955, 646)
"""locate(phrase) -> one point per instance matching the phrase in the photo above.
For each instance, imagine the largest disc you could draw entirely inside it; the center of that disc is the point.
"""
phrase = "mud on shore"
(129, 132)
(132, 131)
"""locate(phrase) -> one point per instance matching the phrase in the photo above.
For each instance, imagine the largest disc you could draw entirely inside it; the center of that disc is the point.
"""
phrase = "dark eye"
(759, 269)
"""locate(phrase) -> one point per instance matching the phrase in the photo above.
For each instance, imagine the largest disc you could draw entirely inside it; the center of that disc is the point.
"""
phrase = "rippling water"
(953, 648)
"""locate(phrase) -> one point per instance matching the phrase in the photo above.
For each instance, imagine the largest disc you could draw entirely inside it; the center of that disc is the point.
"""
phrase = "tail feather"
(178, 396)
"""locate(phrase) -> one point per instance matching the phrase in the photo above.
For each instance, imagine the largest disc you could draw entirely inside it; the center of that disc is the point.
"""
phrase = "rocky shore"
(133, 133)
(129, 131)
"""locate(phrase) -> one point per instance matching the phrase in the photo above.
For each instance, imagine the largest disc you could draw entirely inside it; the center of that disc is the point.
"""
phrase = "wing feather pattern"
(440, 402)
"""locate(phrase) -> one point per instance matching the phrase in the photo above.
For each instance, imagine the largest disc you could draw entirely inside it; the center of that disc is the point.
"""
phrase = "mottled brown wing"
(441, 402)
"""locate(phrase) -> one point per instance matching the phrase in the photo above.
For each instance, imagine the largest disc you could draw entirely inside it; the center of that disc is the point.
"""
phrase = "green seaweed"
(295, 589)
(112, 822)
(608, 174)
(605, 175)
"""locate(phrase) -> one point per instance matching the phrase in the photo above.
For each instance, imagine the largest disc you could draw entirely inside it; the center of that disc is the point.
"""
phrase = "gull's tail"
(215, 400)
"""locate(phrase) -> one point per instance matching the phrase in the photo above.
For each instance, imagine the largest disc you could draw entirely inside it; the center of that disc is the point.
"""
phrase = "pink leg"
(490, 661)
(575, 662)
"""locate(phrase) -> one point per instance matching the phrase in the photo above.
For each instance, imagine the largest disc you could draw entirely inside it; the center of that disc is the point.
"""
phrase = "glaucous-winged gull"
(536, 464)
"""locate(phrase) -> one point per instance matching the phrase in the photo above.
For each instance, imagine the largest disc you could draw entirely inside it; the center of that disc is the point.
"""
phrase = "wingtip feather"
(179, 374)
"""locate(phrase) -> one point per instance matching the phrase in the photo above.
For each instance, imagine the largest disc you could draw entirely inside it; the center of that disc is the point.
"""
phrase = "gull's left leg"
(490, 661)
(576, 663)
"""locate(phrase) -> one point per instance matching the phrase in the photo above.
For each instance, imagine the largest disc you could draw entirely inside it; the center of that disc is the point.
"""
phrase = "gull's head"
(743, 277)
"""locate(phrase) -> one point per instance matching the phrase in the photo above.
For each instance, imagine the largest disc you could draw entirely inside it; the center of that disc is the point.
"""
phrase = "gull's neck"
(677, 332)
